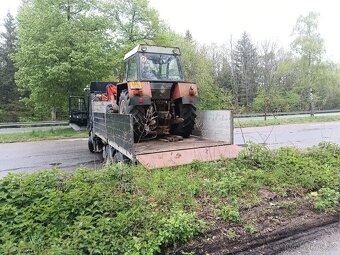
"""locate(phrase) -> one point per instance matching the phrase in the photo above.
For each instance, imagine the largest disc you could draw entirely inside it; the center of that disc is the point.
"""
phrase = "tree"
(308, 45)
(244, 65)
(133, 21)
(267, 66)
(188, 35)
(9, 93)
(199, 68)
(62, 46)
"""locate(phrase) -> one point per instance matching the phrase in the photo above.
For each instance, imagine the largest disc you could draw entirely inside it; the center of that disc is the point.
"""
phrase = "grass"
(38, 135)
(283, 121)
(130, 210)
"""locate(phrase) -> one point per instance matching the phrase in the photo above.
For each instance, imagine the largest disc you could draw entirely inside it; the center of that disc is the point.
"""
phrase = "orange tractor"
(154, 92)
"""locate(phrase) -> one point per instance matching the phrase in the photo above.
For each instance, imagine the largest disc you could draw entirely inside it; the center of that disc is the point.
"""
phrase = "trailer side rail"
(116, 130)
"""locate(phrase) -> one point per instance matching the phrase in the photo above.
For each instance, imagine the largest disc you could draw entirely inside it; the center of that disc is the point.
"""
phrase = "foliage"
(245, 65)
(250, 228)
(230, 212)
(39, 135)
(199, 68)
(276, 100)
(134, 21)
(325, 199)
(129, 210)
(9, 107)
(85, 213)
(59, 51)
(62, 45)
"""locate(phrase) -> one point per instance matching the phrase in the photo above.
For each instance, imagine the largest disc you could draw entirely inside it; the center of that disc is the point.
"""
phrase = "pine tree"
(9, 93)
(245, 63)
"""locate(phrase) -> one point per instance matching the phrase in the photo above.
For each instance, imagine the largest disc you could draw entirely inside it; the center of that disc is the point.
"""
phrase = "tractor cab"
(153, 63)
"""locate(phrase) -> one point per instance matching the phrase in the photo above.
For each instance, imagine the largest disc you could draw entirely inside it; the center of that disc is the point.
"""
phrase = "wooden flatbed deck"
(155, 146)
(158, 153)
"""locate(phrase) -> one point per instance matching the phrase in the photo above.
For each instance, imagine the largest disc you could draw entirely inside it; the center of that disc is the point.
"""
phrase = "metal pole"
(311, 98)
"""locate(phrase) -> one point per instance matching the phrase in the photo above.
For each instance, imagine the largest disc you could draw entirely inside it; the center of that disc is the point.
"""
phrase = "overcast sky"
(215, 20)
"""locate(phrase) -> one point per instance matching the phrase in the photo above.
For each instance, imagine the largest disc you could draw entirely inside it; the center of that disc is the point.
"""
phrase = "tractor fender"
(186, 91)
(140, 96)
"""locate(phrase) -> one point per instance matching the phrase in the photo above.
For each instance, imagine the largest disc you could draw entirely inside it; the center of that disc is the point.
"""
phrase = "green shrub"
(131, 210)
(250, 228)
(230, 213)
(325, 199)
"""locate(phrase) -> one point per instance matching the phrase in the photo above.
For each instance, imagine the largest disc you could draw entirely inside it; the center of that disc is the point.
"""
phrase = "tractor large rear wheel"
(188, 113)
(138, 113)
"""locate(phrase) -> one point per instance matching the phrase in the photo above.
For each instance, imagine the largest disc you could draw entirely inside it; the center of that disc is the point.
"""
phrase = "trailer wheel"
(119, 157)
(188, 113)
(108, 153)
(138, 113)
(90, 145)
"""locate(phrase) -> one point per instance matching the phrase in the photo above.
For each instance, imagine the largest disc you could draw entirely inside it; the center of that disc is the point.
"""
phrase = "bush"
(130, 210)
(90, 212)
(325, 199)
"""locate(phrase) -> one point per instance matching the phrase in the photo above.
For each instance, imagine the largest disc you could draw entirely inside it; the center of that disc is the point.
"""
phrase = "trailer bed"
(158, 153)
(212, 141)
(157, 145)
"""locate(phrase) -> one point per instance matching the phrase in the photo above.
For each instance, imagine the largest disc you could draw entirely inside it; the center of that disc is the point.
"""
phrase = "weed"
(250, 228)
(325, 199)
(290, 206)
(230, 212)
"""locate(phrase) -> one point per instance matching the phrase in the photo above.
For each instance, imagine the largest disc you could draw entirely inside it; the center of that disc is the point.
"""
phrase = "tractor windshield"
(160, 67)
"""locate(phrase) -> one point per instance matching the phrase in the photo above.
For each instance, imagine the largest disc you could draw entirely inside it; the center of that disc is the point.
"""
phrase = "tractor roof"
(152, 49)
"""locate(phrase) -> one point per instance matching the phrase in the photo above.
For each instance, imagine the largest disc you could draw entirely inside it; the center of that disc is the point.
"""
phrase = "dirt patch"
(265, 227)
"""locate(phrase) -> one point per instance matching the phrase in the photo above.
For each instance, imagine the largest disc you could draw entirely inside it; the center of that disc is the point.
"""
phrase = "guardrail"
(33, 124)
(248, 115)
(245, 115)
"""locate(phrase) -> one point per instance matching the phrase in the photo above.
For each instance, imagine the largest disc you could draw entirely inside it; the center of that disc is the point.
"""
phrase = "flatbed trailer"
(212, 139)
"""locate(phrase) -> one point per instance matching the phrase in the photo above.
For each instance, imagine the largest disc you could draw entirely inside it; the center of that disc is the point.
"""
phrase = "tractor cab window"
(131, 69)
(160, 67)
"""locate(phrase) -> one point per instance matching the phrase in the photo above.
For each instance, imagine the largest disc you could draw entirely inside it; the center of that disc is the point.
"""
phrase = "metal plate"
(120, 133)
(187, 156)
(215, 125)
(118, 129)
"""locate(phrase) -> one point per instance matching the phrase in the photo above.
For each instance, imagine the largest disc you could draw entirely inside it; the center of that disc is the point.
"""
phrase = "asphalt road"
(297, 135)
(71, 153)
(29, 157)
(323, 241)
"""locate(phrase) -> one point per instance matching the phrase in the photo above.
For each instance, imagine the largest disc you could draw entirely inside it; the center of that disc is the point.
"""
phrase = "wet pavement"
(297, 135)
(69, 154)
(323, 241)
(29, 157)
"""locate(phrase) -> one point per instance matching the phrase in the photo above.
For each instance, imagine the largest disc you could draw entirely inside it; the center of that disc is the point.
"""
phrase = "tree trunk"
(53, 114)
